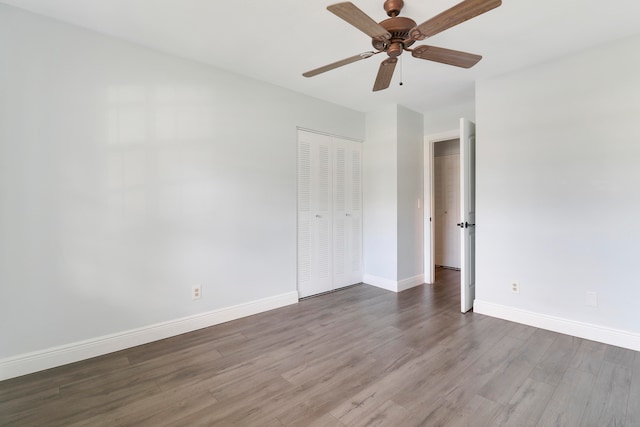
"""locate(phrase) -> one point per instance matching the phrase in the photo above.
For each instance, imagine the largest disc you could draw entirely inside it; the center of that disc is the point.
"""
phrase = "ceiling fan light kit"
(397, 34)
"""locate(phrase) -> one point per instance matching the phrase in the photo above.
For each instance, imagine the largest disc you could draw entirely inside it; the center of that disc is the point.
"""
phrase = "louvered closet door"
(329, 213)
(347, 213)
(315, 214)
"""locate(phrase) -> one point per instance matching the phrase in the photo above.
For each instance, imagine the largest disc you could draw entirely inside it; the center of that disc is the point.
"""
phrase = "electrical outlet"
(515, 288)
(196, 292)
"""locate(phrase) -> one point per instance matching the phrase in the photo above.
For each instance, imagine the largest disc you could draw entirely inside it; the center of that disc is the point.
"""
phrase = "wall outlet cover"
(196, 292)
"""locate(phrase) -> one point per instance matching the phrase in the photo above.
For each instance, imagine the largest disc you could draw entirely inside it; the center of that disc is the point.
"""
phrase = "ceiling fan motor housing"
(399, 28)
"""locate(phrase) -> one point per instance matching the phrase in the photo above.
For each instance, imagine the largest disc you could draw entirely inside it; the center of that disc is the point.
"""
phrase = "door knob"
(465, 225)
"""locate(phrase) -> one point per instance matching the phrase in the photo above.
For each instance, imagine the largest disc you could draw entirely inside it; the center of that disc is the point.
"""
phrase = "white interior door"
(467, 214)
(315, 214)
(347, 212)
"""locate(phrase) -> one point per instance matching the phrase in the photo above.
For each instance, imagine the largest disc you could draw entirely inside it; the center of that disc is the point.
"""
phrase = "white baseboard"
(393, 285)
(587, 331)
(411, 282)
(379, 282)
(57, 356)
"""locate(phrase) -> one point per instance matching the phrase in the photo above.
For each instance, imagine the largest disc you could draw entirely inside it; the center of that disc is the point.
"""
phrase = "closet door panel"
(340, 241)
(347, 178)
(314, 214)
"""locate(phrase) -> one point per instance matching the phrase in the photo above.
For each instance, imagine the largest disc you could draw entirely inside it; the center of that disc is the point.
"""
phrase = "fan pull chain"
(400, 70)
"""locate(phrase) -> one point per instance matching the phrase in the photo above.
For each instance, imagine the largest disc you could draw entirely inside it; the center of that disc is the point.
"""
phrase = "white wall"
(410, 193)
(127, 176)
(380, 196)
(558, 182)
(447, 118)
(392, 186)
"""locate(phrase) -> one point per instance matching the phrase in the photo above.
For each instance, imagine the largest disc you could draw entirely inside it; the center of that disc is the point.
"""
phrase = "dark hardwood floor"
(357, 357)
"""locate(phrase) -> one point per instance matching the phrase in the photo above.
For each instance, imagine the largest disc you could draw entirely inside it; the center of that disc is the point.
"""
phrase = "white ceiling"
(277, 41)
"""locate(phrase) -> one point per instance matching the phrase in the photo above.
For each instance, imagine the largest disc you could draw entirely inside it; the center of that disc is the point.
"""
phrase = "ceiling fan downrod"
(393, 7)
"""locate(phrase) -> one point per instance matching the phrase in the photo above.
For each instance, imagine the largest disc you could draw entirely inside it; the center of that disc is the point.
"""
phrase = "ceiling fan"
(397, 34)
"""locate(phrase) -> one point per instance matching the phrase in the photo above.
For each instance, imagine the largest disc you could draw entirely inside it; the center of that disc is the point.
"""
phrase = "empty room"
(310, 213)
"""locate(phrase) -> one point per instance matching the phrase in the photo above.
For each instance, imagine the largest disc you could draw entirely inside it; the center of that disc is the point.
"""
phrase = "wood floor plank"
(153, 410)
(523, 332)
(457, 354)
(526, 406)
(589, 356)
(320, 399)
(557, 359)
(439, 413)
(387, 414)
(569, 400)
(489, 367)
(502, 386)
(607, 403)
(460, 370)
(359, 356)
(182, 344)
(52, 379)
(620, 356)
(632, 417)
(228, 413)
(326, 420)
(477, 412)
(425, 376)
(335, 383)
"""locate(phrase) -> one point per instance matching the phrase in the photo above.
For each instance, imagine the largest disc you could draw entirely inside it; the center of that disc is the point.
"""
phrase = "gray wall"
(447, 118)
(558, 182)
(393, 166)
(128, 176)
(410, 193)
(380, 194)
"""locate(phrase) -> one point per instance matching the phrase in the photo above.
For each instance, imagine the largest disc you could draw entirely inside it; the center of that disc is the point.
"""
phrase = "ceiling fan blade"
(383, 80)
(457, 14)
(340, 63)
(354, 16)
(446, 56)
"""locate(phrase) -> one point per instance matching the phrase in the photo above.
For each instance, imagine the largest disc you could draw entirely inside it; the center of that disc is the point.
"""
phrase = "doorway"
(437, 216)
(446, 203)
